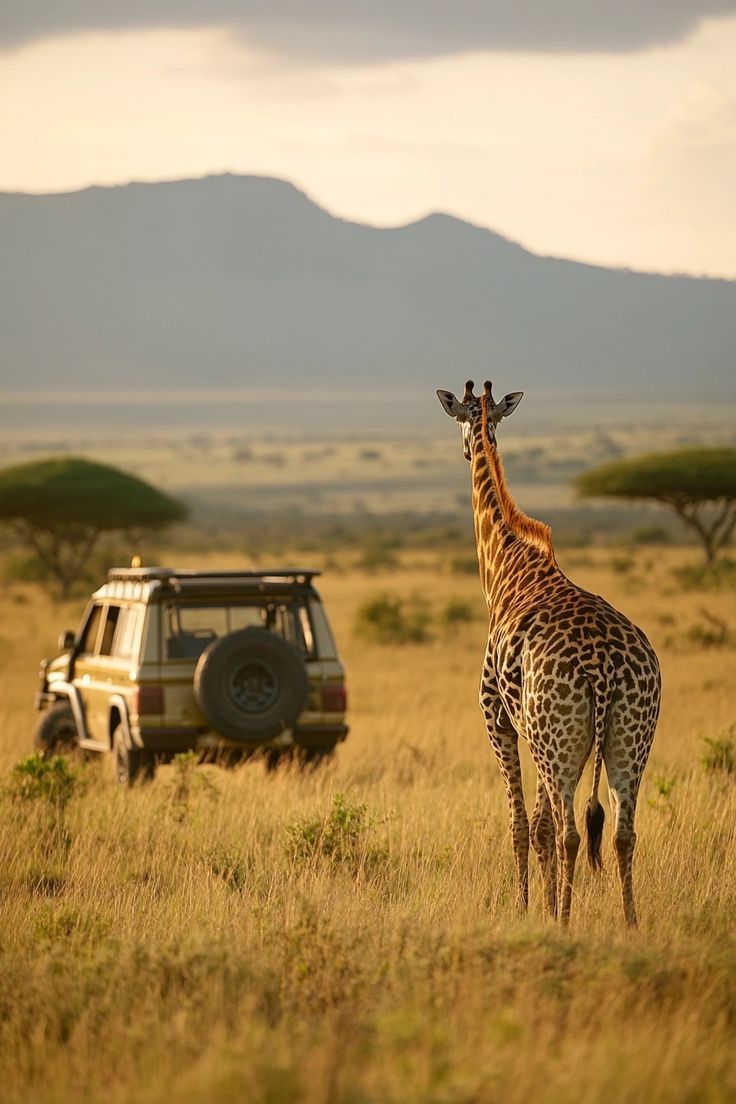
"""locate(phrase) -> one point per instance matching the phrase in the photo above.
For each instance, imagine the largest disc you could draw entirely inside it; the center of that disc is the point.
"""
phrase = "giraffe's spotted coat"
(564, 670)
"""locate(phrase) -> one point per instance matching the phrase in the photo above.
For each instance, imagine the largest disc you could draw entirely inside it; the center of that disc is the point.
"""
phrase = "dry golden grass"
(183, 945)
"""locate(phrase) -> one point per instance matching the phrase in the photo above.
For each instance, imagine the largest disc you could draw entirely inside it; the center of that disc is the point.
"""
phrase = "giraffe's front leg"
(505, 744)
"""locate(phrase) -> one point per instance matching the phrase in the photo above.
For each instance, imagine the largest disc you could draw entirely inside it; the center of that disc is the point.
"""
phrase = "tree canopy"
(60, 506)
(698, 483)
(71, 490)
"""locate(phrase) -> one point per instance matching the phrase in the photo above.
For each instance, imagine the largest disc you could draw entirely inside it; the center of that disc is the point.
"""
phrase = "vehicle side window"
(108, 632)
(125, 645)
(287, 626)
(305, 626)
(323, 637)
(90, 631)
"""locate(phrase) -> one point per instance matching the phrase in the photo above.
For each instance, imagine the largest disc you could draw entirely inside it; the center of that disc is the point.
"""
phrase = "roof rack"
(167, 575)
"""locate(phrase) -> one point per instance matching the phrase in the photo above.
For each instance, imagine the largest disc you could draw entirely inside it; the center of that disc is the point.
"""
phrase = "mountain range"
(238, 282)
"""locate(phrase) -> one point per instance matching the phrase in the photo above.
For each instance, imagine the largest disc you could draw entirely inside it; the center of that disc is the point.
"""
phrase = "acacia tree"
(60, 508)
(699, 484)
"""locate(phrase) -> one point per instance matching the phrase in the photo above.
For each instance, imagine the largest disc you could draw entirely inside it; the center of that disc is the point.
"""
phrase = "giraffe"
(563, 669)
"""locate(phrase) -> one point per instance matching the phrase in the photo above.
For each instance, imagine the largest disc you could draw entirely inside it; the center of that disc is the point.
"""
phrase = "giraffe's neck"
(509, 543)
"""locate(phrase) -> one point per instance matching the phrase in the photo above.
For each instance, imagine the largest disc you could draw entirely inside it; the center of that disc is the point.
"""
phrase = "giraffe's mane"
(529, 529)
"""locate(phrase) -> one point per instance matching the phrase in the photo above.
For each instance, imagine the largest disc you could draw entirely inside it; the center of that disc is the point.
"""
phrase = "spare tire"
(251, 685)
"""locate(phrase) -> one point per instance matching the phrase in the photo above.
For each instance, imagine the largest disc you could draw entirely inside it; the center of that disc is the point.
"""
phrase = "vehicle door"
(84, 653)
(96, 672)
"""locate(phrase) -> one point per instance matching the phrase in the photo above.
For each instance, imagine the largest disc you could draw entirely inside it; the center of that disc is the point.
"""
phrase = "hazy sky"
(586, 128)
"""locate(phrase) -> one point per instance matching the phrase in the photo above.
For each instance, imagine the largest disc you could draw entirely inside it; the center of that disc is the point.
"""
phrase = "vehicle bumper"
(174, 740)
(320, 735)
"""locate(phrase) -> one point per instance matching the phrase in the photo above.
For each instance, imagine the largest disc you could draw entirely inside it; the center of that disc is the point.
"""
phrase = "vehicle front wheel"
(131, 764)
(56, 731)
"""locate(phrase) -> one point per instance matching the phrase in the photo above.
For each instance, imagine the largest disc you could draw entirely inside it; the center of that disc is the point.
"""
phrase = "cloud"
(373, 30)
(686, 175)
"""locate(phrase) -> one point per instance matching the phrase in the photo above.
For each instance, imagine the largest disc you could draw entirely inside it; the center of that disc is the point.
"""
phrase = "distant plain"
(281, 468)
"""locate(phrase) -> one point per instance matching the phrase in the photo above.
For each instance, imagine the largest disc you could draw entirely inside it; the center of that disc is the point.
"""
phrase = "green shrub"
(342, 835)
(229, 864)
(378, 555)
(387, 620)
(39, 779)
(720, 575)
(711, 632)
(53, 924)
(457, 611)
(650, 534)
(464, 565)
(663, 785)
(720, 754)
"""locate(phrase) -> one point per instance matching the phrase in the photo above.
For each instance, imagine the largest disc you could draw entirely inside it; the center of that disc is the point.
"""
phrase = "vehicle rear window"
(191, 626)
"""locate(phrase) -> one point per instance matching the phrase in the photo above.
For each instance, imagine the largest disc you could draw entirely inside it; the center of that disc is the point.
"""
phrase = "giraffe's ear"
(508, 404)
(452, 405)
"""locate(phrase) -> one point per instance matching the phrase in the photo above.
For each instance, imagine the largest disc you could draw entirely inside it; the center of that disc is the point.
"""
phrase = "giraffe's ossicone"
(563, 669)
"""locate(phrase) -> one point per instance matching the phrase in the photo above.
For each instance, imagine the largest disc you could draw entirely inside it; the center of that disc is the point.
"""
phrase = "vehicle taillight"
(334, 698)
(148, 699)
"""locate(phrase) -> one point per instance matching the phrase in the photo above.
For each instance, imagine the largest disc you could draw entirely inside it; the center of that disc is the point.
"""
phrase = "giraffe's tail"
(602, 686)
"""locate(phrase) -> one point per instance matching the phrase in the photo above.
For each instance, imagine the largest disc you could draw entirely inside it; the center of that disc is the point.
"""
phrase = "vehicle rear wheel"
(131, 764)
(251, 685)
(56, 731)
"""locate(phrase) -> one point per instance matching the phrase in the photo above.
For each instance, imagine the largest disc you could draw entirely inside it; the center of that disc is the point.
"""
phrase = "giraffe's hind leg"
(568, 843)
(625, 756)
(505, 745)
(543, 841)
(504, 742)
(624, 842)
(559, 755)
(567, 835)
(623, 789)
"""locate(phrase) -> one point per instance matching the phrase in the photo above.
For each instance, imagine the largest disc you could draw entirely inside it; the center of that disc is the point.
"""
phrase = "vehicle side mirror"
(67, 640)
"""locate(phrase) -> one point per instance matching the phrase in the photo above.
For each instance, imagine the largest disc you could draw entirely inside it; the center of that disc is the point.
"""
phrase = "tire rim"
(253, 686)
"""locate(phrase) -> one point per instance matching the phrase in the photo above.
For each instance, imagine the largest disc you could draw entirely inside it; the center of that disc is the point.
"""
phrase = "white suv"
(221, 662)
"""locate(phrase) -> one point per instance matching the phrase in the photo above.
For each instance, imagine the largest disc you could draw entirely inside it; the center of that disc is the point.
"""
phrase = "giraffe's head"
(469, 411)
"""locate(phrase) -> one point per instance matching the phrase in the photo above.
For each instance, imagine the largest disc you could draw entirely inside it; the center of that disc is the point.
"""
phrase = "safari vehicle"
(225, 663)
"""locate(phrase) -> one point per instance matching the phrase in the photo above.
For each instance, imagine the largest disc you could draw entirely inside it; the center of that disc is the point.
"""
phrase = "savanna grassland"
(349, 935)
